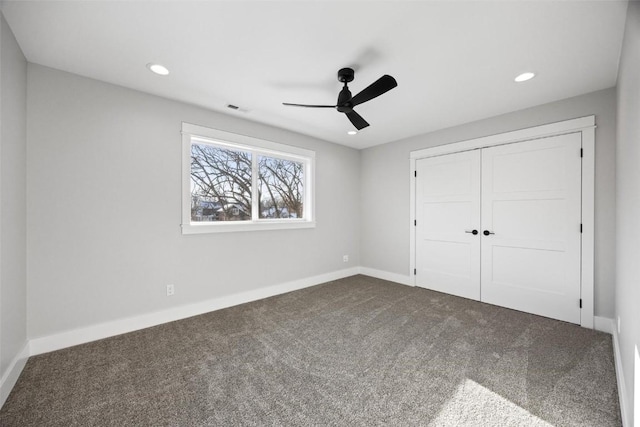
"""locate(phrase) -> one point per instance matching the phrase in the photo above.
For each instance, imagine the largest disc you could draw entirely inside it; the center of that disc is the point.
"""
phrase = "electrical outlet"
(345, 258)
(618, 325)
(170, 290)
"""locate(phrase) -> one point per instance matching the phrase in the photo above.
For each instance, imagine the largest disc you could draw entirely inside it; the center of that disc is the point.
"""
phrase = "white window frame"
(257, 147)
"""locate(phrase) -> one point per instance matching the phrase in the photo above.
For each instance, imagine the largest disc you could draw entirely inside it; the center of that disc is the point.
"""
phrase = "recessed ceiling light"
(352, 132)
(524, 77)
(158, 69)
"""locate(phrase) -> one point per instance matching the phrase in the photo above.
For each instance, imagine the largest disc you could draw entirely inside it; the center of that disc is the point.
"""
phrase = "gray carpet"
(358, 351)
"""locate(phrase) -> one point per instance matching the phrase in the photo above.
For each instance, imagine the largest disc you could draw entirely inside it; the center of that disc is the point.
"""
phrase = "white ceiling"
(454, 61)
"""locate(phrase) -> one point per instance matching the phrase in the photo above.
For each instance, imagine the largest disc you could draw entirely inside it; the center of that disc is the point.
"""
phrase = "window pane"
(220, 184)
(281, 191)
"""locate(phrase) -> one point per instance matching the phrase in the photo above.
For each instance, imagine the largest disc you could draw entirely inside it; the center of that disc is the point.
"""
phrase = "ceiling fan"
(346, 102)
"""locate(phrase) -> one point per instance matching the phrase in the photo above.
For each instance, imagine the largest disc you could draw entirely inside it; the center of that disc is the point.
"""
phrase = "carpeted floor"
(353, 352)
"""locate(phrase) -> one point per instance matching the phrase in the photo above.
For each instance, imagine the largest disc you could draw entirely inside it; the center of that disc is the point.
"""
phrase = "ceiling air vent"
(236, 108)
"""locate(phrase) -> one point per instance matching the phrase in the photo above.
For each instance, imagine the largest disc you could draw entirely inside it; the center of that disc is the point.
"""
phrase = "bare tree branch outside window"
(281, 188)
(220, 184)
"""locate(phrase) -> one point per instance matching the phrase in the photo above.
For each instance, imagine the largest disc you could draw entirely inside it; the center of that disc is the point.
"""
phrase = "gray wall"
(628, 204)
(104, 181)
(385, 185)
(13, 285)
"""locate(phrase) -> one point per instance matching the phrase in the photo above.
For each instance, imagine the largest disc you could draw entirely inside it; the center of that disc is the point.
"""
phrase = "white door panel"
(509, 214)
(447, 205)
(449, 176)
(531, 201)
(516, 168)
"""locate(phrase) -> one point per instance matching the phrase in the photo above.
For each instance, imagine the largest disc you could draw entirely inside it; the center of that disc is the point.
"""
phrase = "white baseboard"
(385, 275)
(622, 390)
(108, 329)
(603, 324)
(10, 377)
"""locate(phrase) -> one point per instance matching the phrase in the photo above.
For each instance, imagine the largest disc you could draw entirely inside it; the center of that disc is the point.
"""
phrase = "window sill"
(226, 227)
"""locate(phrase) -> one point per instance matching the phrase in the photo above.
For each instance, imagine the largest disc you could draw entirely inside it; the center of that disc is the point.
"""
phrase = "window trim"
(257, 147)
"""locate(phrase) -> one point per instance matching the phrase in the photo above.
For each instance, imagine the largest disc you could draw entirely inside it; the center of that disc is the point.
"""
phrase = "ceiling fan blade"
(377, 88)
(357, 120)
(308, 106)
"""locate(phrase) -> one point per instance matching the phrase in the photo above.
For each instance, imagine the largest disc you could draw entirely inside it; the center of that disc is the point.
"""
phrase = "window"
(233, 183)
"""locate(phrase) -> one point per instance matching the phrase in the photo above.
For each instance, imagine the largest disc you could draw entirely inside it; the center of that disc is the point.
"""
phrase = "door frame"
(586, 127)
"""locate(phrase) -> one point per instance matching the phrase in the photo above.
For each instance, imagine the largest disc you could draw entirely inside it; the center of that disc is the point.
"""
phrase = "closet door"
(447, 212)
(531, 206)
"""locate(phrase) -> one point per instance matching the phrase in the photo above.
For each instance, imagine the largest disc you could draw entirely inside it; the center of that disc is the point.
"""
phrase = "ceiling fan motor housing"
(345, 75)
(344, 97)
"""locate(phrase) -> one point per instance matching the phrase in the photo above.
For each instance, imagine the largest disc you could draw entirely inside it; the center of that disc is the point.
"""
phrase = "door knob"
(487, 232)
(474, 232)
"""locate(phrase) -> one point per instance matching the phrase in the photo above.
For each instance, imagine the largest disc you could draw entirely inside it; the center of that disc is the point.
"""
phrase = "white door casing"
(447, 210)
